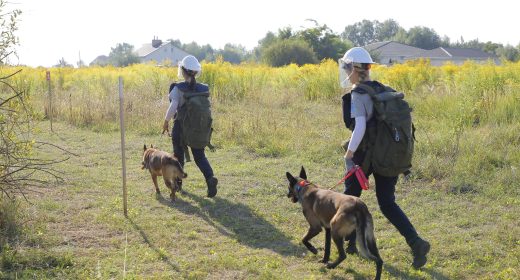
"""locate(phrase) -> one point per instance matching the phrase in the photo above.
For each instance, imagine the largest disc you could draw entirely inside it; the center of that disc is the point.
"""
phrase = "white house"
(161, 52)
(390, 52)
(440, 56)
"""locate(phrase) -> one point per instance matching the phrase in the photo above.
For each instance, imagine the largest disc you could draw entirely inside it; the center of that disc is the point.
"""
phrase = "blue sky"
(52, 29)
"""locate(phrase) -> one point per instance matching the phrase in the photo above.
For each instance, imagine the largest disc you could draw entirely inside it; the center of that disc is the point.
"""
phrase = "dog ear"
(144, 149)
(291, 179)
(303, 174)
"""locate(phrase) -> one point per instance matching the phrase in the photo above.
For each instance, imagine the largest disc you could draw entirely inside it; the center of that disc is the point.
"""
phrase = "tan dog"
(161, 163)
(339, 214)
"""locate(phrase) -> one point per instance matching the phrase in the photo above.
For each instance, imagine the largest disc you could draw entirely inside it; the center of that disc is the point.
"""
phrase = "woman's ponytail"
(193, 82)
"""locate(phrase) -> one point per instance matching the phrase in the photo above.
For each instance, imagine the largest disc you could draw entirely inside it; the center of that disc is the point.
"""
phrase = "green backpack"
(195, 116)
(391, 140)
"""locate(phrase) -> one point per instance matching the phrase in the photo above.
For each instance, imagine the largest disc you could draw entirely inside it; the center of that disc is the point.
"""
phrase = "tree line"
(318, 42)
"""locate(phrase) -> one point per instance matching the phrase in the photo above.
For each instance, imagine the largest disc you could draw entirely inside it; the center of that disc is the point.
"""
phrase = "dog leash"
(360, 176)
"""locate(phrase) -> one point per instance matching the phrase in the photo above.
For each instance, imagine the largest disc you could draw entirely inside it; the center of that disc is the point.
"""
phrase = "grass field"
(464, 196)
(250, 230)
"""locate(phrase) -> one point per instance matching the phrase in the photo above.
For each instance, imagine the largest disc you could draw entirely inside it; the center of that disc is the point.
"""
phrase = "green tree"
(508, 52)
(422, 37)
(284, 52)
(360, 33)
(205, 52)
(445, 41)
(18, 167)
(491, 47)
(386, 30)
(324, 42)
(123, 55)
(233, 53)
(62, 63)
(8, 26)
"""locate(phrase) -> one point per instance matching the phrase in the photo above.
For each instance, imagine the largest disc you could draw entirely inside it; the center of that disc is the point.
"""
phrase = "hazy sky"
(52, 29)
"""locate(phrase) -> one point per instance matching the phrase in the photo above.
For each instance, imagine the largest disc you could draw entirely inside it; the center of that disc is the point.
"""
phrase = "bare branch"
(10, 75)
(58, 147)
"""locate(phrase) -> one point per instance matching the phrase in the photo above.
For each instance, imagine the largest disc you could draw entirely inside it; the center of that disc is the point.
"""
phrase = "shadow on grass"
(160, 254)
(350, 272)
(395, 272)
(236, 220)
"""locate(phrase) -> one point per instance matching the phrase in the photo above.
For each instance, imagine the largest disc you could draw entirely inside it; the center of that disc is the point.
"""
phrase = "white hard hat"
(190, 62)
(357, 55)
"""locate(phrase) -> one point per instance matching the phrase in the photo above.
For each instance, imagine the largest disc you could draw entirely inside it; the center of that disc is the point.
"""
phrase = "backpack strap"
(366, 88)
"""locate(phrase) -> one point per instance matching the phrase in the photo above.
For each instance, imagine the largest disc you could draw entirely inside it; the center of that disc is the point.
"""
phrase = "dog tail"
(365, 238)
(173, 161)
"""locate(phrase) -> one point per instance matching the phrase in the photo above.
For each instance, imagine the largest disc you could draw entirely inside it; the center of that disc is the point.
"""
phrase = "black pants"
(385, 193)
(198, 154)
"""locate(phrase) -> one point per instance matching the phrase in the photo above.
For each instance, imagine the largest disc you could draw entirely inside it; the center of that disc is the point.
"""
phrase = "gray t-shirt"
(361, 105)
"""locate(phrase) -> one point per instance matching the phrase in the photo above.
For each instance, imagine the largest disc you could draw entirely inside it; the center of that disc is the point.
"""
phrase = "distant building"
(390, 52)
(440, 56)
(101, 60)
(161, 52)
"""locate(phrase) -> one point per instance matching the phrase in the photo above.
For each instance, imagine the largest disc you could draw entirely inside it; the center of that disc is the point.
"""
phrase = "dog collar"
(299, 186)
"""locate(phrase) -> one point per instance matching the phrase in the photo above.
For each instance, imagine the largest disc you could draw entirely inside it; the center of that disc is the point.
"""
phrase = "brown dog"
(161, 163)
(339, 214)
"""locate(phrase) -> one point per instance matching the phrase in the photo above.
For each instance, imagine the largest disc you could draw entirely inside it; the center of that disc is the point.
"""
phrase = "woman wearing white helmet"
(186, 132)
(358, 112)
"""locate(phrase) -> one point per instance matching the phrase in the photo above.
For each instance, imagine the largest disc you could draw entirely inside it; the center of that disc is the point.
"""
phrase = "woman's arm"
(357, 135)
(175, 98)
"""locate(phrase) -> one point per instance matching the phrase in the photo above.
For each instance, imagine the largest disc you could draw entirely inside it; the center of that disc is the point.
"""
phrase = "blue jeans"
(385, 193)
(198, 154)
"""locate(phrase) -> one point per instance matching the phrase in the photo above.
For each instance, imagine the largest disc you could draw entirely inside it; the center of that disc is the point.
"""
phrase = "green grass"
(250, 230)
(464, 195)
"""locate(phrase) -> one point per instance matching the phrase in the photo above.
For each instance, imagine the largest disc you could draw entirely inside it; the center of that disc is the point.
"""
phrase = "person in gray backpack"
(381, 143)
(192, 125)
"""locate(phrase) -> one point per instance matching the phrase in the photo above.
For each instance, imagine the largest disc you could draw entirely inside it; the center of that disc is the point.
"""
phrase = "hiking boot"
(351, 248)
(420, 249)
(212, 186)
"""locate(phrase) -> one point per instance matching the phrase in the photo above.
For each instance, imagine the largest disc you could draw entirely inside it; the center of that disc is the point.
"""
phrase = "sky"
(71, 29)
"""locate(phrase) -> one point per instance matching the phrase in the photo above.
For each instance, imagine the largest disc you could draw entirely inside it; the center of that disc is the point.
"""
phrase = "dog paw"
(313, 250)
(331, 266)
(323, 261)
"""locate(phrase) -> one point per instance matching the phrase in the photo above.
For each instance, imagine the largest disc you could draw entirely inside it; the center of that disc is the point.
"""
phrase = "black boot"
(212, 186)
(420, 249)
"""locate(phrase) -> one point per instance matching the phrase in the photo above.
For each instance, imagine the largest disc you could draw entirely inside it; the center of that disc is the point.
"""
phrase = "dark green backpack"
(195, 115)
(391, 141)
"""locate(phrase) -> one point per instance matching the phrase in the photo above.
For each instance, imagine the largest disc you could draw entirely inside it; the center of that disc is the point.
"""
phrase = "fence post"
(48, 78)
(123, 157)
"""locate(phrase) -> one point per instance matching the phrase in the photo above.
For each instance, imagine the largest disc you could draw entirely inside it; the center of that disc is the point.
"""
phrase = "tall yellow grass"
(468, 116)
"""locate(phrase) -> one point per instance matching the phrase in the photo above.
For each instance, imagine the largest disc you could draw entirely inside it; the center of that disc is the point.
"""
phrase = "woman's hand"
(349, 154)
(166, 128)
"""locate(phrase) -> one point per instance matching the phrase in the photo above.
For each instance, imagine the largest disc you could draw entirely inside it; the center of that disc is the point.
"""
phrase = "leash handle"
(349, 173)
(360, 176)
(362, 179)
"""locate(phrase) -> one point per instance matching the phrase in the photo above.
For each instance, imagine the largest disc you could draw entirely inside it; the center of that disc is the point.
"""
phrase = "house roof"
(391, 48)
(147, 49)
(460, 52)
(100, 60)
(443, 52)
